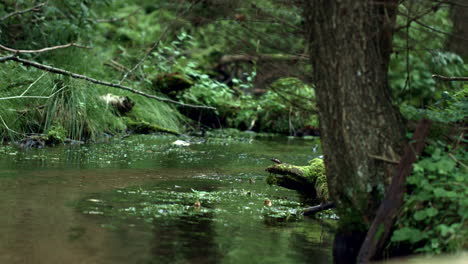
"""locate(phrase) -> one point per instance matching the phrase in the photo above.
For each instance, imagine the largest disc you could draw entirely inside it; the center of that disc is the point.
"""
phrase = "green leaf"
(410, 234)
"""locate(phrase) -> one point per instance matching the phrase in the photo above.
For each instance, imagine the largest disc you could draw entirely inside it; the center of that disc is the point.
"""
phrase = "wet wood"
(318, 208)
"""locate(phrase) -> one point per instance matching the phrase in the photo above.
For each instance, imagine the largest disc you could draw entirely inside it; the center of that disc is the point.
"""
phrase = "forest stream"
(134, 201)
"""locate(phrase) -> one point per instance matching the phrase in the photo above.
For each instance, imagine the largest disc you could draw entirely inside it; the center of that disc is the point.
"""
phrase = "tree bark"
(458, 41)
(351, 43)
(380, 230)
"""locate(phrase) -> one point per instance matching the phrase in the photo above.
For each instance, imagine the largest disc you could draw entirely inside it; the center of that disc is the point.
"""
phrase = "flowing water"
(132, 201)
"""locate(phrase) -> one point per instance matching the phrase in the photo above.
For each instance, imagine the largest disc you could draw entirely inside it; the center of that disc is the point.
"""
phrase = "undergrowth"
(434, 218)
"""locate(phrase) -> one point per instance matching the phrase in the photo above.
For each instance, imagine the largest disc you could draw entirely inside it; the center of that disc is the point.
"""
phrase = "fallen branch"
(450, 79)
(381, 227)
(44, 49)
(318, 208)
(34, 8)
(308, 180)
(92, 80)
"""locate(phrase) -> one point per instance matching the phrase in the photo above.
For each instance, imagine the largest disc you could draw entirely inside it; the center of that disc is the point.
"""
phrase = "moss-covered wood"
(172, 83)
(309, 180)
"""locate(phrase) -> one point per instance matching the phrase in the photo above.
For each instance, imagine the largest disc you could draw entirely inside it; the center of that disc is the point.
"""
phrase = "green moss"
(56, 135)
(300, 177)
(317, 171)
(143, 127)
(172, 83)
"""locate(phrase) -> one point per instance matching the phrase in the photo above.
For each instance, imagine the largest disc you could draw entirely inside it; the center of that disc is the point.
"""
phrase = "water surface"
(131, 201)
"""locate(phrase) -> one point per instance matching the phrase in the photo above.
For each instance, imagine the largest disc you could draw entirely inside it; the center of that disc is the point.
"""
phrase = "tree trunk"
(458, 41)
(350, 51)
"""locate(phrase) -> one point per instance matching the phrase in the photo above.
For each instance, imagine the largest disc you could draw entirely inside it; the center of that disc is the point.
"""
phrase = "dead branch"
(449, 79)
(226, 59)
(318, 208)
(44, 49)
(92, 80)
(19, 12)
(7, 58)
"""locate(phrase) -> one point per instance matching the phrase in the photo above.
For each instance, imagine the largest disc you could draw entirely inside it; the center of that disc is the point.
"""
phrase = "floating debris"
(181, 143)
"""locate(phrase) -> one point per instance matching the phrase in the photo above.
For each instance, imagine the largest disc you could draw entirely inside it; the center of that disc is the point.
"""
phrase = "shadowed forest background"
(379, 86)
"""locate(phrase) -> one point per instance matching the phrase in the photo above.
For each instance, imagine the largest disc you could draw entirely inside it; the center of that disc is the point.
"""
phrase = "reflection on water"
(41, 223)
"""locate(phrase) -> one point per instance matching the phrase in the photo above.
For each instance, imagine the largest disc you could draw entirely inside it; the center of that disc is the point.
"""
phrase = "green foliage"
(57, 22)
(419, 54)
(56, 135)
(73, 104)
(434, 218)
(451, 108)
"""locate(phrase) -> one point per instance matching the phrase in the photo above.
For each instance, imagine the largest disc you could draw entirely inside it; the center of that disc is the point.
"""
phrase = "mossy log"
(172, 83)
(309, 180)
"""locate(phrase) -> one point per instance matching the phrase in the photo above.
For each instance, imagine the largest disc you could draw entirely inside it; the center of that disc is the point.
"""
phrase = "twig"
(32, 84)
(438, 31)
(382, 158)
(119, 65)
(450, 79)
(457, 160)
(32, 96)
(318, 208)
(34, 8)
(418, 16)
(120, 68)
(22, 95)
(44, 49)
(89, 79)
(277, 161)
